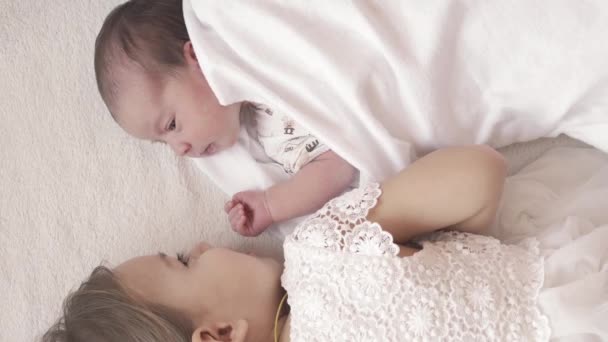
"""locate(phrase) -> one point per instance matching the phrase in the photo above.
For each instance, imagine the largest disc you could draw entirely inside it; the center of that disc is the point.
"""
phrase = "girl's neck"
(284, 327)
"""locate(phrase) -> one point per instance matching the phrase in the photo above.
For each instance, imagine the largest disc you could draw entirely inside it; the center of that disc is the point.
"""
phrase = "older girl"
(351, 273)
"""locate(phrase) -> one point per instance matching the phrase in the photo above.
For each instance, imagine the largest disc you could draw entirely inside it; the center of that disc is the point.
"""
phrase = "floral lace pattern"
(341, 225)
(346, 282)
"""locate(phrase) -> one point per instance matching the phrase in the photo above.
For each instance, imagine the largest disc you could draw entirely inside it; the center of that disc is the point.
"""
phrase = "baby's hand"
(248, 213)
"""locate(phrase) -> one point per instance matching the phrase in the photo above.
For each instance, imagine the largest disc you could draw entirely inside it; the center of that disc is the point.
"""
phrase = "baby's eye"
(183, 259)
(171, 125)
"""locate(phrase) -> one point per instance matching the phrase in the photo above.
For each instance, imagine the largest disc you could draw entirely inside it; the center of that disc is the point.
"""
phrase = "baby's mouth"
(209, 150)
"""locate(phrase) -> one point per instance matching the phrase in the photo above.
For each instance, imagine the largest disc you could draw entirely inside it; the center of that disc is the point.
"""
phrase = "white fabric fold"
(383, 81)
(561, 200)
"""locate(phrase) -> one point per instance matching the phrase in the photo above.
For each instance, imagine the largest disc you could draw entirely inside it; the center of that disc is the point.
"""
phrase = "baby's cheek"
(234, 139)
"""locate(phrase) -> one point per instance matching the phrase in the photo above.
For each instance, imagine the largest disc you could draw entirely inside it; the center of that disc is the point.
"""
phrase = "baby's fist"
(248, 213)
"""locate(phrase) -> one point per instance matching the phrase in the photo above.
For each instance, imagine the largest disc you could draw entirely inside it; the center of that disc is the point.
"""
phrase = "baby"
(150, 79)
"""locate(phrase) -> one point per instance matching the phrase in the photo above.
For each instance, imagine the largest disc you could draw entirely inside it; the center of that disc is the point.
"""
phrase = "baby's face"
(181, 111)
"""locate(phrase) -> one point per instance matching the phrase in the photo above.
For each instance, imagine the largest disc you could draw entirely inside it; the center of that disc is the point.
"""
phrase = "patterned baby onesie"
(285, 141)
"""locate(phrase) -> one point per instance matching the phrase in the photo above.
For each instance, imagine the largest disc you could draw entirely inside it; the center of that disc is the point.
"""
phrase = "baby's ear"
(235, 331)
(189, 54)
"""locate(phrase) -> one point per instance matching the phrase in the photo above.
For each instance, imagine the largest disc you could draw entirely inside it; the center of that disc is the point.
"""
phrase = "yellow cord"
(276, 319)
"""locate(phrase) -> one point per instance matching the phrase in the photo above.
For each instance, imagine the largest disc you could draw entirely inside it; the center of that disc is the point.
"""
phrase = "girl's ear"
(235, 331)
(189, 54)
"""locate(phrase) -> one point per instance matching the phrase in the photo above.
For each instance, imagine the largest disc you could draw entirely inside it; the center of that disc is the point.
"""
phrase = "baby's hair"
(102, 310)
(149, 34)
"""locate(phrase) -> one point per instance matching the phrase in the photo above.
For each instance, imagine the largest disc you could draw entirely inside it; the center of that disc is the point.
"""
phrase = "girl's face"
(180, 110)
(217, 288)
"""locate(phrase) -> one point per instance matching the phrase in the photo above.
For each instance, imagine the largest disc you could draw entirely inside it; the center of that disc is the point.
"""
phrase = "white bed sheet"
(562, 200)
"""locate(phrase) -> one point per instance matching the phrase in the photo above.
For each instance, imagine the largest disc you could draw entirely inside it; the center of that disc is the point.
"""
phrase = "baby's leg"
(457, 188)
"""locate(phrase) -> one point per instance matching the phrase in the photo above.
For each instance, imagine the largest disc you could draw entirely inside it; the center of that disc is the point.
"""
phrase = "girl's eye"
(171, 125)
(183, 259)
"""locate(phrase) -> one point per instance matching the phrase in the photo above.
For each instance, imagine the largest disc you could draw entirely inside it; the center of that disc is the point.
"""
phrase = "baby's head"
(150, 79)
(159, 298)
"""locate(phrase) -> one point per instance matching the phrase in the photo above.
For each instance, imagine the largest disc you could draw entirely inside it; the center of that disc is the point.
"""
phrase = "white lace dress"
(346, 282)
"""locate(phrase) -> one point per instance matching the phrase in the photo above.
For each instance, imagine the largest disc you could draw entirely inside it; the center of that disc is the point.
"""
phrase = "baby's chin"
(221, 147)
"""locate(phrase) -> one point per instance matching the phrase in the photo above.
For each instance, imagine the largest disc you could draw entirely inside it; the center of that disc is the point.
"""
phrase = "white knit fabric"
(346, 282)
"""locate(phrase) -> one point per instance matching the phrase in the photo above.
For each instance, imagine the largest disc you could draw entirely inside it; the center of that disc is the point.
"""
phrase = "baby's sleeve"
(286, 142)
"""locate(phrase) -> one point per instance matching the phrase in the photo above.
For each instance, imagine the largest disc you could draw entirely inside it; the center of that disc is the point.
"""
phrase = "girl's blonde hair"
(102, 310)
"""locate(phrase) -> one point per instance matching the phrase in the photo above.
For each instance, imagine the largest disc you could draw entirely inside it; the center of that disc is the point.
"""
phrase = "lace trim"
(341, 225)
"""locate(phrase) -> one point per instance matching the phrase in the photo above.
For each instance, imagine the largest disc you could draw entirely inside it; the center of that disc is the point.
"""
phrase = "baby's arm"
(456, 188)
(323, 178)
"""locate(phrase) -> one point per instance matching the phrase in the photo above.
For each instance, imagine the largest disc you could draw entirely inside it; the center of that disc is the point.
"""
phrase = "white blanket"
(380, 80)
(561, 199)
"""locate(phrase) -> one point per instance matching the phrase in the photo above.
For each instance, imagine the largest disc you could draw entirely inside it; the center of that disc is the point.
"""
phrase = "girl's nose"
(182, 148)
